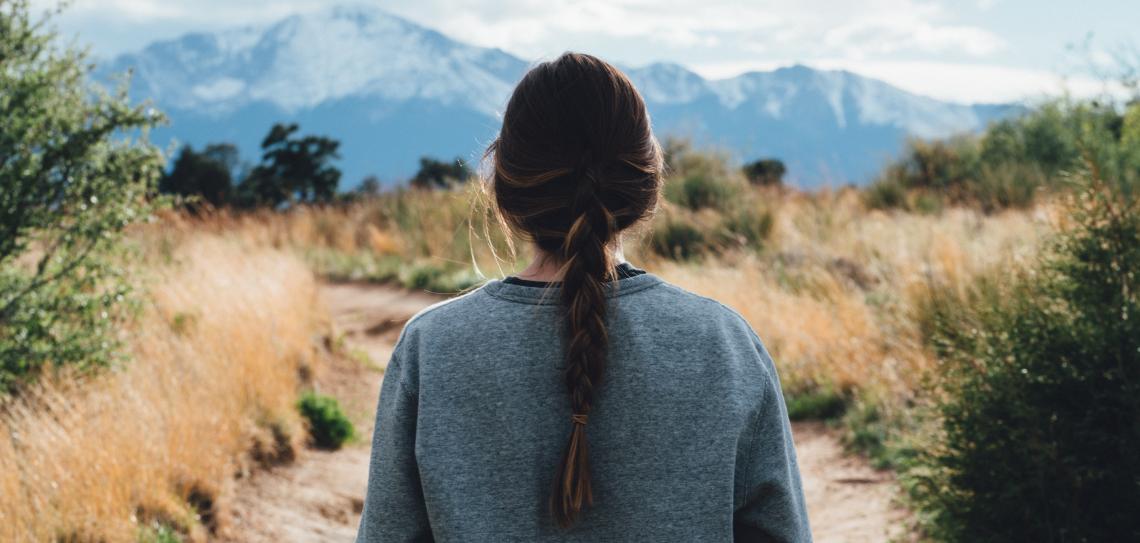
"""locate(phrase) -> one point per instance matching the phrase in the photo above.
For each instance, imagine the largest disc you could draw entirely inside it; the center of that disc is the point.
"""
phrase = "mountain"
(393, 91)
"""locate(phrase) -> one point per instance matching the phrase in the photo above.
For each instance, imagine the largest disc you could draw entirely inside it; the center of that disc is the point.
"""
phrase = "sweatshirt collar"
(550, 295)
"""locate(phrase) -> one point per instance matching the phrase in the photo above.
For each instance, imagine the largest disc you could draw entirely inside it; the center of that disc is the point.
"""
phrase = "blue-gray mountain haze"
(392, 91)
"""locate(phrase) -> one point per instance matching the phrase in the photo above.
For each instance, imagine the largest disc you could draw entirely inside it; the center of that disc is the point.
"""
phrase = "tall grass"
(150, 447)
(837, 294)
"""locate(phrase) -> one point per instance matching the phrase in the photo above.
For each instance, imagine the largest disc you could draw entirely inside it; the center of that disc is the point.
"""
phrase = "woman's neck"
(544, 267)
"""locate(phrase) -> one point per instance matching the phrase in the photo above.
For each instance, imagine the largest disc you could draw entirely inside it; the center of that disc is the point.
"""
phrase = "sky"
(964, 51)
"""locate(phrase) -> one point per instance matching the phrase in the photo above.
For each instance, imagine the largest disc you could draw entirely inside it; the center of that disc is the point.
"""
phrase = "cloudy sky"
(966, 50)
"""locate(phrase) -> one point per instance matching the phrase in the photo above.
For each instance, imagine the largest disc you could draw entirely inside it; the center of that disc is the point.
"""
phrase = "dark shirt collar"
(624, 270)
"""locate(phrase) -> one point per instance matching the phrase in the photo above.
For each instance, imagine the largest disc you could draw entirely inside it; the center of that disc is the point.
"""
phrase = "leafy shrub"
(700, 179)
(928, 203)
(72, 180)
(747, 226)
(940, 164)
(885, 193)
(1007, 185)
(823, 404)
(765, 172)
(329, 427)
(1041, 391)
(1016, 157)
(677, 238)
(699, 190)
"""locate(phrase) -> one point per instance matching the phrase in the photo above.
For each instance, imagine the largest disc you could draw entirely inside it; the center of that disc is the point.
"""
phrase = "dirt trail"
(318, 498)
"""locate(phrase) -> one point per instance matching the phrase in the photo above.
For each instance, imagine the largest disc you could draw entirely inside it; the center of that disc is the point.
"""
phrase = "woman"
(583, 399)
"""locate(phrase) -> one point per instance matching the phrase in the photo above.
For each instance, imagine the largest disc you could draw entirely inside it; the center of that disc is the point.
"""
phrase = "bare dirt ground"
(319, 497)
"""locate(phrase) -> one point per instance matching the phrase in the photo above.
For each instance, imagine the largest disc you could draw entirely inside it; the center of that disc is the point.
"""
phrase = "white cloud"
(532, 28)
(956, 82)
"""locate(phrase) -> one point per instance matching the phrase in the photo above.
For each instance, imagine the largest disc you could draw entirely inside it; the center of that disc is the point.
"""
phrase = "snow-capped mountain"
(393, 91)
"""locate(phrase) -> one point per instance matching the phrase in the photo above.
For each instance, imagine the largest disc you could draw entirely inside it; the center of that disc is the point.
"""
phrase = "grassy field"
(227, 335)
(839, 291)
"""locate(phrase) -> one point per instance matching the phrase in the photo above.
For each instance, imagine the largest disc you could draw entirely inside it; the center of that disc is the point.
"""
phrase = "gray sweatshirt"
(689, 437)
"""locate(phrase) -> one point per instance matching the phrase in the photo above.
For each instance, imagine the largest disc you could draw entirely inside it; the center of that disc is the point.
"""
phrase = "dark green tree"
(293, 169)
(207, 175)
(370, 186)
(436, 174)
(766, 171)
(74, 173)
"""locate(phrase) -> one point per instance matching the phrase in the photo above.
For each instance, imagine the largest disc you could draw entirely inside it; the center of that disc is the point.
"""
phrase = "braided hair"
(574, 165)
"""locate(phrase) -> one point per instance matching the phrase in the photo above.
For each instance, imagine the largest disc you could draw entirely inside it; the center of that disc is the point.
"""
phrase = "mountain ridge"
(392, 90)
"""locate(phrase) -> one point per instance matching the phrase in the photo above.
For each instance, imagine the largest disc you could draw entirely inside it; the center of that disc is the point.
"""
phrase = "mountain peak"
(392, 90)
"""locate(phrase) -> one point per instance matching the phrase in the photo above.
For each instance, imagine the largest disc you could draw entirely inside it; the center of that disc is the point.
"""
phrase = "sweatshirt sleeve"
(771, 503)
(394, 509)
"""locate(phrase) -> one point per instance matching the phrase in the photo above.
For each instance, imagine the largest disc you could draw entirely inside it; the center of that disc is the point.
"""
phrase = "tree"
(370, 186)
(766, 171)
(207, 175)
(74, 172)
(293, 169)
(437, 174)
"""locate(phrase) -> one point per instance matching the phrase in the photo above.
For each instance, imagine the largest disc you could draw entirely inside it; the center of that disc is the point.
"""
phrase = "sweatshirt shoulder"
(710, 309)
(450, 310)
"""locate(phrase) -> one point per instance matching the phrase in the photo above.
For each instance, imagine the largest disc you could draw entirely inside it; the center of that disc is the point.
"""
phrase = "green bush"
(823, 404)
(677, 238)
(700, 190)
(765, 172)
(1007, 165)
(1041, 394)
(329, 427)
(1007, 185)
(72, 178)
(885, 193)
(747, 226)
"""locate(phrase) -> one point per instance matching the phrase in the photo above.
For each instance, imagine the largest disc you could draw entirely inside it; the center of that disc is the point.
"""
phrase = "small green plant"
(159, 532)
(329, 427)
(823, 404)
(886, 193)
(677, 238)
(360, 356)
(701, 190)
(748, 226)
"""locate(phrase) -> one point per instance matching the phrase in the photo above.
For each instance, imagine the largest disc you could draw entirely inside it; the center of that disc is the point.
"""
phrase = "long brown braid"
(575, 164)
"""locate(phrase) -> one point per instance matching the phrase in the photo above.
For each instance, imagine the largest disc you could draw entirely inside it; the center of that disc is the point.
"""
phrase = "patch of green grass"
(446, 278)
(329, 427)
(816, 405)
(159, 532)
(360, 356)
(887, 439)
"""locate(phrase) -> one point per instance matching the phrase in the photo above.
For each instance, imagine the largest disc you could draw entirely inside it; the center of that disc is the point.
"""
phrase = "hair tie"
(578, 419)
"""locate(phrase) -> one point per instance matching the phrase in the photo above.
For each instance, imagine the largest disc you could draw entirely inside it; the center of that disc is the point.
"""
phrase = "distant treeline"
(1014, 159)
(298, 169)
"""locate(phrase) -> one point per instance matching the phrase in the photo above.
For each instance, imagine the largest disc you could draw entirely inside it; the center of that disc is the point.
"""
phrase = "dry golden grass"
(224, 339)
(836, 297)
(836, 293)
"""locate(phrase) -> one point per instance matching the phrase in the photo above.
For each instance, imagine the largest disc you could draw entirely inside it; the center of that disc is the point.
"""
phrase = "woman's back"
(688, 439)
